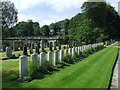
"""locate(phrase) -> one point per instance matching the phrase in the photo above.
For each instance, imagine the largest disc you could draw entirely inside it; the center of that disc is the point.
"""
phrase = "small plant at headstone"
(76, 56)
(31, 69)
(68, 58)
(49, 66)
(27, 79)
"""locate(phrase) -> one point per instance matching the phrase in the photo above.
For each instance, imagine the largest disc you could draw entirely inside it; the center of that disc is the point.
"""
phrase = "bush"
(76, 56)
(31, 68)
(49, 66)
(83, 43)
(68, 58)
(27, 79)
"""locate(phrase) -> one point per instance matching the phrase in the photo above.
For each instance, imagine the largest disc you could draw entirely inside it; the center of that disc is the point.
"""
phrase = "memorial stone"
(23, 66)
(8, 52)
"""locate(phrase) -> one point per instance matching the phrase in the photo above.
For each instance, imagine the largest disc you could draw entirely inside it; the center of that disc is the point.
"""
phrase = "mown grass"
(117, 43)
(91, 72)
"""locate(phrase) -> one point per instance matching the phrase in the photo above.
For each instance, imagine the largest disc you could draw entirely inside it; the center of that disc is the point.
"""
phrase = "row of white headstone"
(23, 60)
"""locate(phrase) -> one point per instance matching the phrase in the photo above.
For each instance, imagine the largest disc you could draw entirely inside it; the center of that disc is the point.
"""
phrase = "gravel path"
(115, 84)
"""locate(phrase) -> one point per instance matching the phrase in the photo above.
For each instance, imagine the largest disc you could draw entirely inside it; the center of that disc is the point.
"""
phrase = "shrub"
(68, 58)
(76, 56)
(31, 68)
(83, 43)
(27, 79)
(49, 66)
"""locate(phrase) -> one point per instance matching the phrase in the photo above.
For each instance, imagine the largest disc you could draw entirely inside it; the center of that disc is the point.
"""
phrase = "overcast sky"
(50, 11)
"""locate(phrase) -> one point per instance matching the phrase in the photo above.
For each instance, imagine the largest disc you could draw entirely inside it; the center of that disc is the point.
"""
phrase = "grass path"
(92, 72)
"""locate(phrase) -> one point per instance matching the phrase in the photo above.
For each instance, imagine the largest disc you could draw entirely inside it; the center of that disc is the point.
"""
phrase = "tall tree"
(9, 16)
(104, 16)
(66, 26)
(45, 30)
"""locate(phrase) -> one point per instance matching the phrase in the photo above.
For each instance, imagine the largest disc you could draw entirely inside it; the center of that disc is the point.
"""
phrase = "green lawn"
(92, 72)
(117, 43)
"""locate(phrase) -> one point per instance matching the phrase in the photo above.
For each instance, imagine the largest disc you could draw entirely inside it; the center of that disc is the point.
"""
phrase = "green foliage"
(98, 22)
(27, 79)
(9, 16)
(83, 43)
(31, 68)
(68, 58)
(66, 26)
(49, 66)
(28, 28)
(45, 30)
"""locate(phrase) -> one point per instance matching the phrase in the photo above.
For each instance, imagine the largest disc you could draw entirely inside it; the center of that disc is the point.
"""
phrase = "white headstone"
(66, 51)
(42, 59)
(50, 58)
(70, 50)
(34, 59)
(76, 50)
(61, 55)
(55, 57)
(73, 51)
(23, 66)
(8, 52)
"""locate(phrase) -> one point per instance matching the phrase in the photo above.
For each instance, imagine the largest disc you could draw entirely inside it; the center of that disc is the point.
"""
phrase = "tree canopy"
(9, 16)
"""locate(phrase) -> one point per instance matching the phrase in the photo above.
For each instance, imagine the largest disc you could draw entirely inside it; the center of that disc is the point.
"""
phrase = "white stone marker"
(61, 55)
(55, 57)
(34, 59)
(70, 50)
(73, 51)
(76, 50)
(66, 51)
(8, 52)
(42, 59)
(50, 58)
(23, 66)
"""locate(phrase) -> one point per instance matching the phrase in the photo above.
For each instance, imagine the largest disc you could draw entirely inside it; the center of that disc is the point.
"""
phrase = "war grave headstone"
(55, 45)
(50, 46)
(42, 46)
(15, 45)
(25, 50)
(23, 66)
(50, 56)
(34, 58)
(8, 52)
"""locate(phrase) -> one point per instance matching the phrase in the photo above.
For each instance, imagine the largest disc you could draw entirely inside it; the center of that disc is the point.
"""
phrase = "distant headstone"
(73, 51)
(50, 46)
(59, 46)
(15, 45)
(31, 51)
(32, 45)
(8, 52)
(42, 46)
(21, 45)
(66, 51)
(55, 57)
(37, 49)
(50, 57)
(55, 46)
(64, 47)
(25, 50)
(70, 50)
(29, 45)
(76, 50)
(23, 66)
(61, 55)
